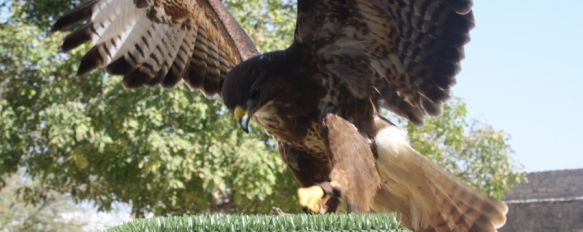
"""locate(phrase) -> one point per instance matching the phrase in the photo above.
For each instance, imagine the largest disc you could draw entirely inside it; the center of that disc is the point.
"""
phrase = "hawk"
(320, 98)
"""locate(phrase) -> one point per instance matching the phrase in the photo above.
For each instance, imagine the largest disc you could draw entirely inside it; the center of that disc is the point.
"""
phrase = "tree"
(48, 215)
(476, 152)
(173, 152)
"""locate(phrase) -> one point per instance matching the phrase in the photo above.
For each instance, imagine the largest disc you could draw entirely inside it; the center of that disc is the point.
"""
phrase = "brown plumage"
(353, 163)
(153, 42)
(318, 98)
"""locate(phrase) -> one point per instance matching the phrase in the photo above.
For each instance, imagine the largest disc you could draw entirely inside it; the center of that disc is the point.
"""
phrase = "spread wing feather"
(409, 49)
(152, 42)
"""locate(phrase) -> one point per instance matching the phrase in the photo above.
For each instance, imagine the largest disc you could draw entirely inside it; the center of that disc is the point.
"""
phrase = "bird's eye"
(254, 94)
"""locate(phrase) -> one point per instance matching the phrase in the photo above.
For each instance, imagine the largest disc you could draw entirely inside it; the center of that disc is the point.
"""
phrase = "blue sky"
(523, 74)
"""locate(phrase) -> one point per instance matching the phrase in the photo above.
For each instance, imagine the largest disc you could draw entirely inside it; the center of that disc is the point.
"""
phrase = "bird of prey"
(320, 98)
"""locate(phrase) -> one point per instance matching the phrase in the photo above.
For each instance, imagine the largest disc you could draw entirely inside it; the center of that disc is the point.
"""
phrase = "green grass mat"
(299, 222)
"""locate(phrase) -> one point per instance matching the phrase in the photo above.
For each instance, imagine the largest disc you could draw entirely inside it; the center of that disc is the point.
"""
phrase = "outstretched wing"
(153, 42)
(402, 53)
(353, 164)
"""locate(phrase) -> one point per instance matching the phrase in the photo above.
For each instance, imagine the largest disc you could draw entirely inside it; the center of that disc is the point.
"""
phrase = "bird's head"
(254, 83)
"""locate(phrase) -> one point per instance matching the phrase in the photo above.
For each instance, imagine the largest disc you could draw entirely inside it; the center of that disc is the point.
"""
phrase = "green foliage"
(303, 222)
(41, 13)
(477, 153)
(270, 24)
(173, 152)
(8, 162)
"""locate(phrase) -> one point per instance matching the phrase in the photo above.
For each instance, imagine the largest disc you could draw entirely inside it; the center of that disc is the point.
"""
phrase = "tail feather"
(425, 196)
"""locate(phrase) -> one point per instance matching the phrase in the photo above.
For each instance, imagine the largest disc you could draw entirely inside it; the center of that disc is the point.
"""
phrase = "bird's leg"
(322, 198)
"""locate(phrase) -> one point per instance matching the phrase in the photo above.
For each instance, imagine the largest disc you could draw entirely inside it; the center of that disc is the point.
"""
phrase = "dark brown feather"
(77, 15)
(78, 37)
(413, 47)
(93, 58)
(152, 43)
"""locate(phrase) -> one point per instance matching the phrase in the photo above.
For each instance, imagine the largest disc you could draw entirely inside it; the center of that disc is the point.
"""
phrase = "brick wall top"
(549, 185)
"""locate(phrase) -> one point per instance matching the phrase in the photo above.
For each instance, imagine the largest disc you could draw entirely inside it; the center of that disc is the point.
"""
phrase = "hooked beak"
(243, 117)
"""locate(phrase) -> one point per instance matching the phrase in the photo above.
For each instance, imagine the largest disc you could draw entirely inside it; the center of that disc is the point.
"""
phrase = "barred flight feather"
(152, 42)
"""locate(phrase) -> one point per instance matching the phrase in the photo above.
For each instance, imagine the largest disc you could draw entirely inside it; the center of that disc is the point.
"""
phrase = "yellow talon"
(311, 198)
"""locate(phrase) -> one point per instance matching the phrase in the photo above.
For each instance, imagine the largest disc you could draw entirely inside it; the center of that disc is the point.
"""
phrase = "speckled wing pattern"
(155, 42)
(403, 53)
